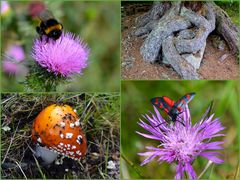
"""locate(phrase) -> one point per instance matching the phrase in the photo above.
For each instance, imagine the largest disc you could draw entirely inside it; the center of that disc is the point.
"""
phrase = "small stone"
(111, 165)
(164, 76)
(218, 42)
(221, 46)
(128, 62)
(223, 57)
(195, 59)
(6, 128)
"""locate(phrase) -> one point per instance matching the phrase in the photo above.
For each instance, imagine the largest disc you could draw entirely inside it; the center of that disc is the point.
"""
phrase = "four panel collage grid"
(120, 89)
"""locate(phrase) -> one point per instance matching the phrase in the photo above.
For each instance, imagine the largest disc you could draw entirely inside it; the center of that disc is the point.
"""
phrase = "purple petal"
(157, 113)
(151, 120)
(149, 153)
(212, 157)
(213, 145)
(148, 127)
(148, 160)
(149, 136)
(189, 169)
(179, 172)
(187, 117)
(209, 130)
(153, 148)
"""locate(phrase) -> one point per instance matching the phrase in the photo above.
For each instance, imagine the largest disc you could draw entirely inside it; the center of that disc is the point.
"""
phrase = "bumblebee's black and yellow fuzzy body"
(49, 26)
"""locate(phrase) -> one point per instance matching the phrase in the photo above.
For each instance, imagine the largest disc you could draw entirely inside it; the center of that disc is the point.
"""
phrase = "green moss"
(231, 9)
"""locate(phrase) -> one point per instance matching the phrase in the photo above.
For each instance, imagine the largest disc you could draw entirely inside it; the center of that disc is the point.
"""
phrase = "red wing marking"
(181, 103)
(169, 101)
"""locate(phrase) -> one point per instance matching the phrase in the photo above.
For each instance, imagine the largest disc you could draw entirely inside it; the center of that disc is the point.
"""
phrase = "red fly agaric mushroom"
(57, 128)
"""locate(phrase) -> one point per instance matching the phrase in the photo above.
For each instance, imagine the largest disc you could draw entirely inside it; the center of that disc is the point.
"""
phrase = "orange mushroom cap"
(57, 128)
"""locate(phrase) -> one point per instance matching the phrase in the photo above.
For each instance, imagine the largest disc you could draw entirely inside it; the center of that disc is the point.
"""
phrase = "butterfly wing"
(164, 103)
(183, 101)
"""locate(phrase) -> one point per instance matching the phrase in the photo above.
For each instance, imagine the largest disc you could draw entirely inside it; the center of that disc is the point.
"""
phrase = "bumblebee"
(49, 26)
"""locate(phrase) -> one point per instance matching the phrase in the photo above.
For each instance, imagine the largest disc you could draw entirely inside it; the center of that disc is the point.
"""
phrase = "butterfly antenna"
(181, 122)
(160, 124)
(180, 118)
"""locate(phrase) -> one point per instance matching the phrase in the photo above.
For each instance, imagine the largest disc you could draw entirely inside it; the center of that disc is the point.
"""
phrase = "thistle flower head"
(15, 53)
(13, 58)
(10, 67)
(182, 144)
(65, 56)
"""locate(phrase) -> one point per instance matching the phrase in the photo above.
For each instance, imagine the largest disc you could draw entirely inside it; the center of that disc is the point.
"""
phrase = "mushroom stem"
(47, 156)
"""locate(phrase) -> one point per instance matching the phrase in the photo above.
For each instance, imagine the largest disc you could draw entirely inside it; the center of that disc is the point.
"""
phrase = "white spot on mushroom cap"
(62, 124)
(62, 136)
(79, 153)
(74, 147)
(77, 123)
(71, 125)
(60, 145)
(69, 135)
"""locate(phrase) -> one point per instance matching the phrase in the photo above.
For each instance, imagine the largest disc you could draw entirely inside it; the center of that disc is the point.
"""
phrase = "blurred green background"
(135, 101)
(97, 23)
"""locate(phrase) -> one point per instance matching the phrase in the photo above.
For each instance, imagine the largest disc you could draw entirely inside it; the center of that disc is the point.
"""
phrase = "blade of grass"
(21, 169)
(236, 175)
(39, 168)
(106, 156)
(132, 165)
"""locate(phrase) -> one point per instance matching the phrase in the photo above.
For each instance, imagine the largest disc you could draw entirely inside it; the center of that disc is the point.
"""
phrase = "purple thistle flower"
(13, 58)
(182, 144)
(65, 56)
(10, 67)
(16, 53)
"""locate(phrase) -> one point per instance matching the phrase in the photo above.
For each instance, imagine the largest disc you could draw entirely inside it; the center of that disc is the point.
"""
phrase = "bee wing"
(45, 15)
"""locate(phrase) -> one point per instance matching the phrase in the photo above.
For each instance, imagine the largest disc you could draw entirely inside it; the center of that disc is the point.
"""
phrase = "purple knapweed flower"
(180, 143)
(65, 56)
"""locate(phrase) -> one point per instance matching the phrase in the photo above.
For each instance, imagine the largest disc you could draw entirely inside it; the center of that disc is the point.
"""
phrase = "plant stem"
(205, 169)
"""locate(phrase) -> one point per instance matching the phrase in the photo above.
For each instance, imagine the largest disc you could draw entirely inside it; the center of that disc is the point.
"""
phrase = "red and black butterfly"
(172, 108)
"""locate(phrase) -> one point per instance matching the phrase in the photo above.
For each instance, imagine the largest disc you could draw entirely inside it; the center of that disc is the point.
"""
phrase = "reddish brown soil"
(133, 66)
